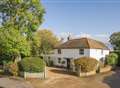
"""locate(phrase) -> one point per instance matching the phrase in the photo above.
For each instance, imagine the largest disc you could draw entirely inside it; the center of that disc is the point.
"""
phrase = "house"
(65, 53)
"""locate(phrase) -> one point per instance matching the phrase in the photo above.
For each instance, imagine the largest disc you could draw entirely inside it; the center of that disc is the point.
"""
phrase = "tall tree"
(35, 44)
(24, 15)
(115, 41)
(48, 41)
(12, 44)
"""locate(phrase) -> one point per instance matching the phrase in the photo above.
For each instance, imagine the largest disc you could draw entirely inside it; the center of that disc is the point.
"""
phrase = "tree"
(112, 59)
(35, 44)
(115, 41)
(23, 15)
(48, 41)
(12, 44)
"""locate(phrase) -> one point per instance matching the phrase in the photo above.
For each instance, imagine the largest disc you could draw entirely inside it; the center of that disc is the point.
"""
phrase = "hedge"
(32, 64)
(112, 59)
(86, 64)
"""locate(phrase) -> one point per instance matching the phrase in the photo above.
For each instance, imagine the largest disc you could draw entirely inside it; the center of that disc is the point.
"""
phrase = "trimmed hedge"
(112, 59)
(32, 64)
(86, 64)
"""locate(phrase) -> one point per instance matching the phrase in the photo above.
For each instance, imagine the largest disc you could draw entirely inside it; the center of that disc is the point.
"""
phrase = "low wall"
(105, 69)
(85, 74)
(26, 75)
(102, 70)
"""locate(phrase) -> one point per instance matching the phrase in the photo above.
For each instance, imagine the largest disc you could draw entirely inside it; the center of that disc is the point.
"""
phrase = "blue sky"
(97, 18)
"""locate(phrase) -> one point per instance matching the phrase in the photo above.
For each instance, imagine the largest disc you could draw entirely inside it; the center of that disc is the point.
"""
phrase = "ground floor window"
(59, 60)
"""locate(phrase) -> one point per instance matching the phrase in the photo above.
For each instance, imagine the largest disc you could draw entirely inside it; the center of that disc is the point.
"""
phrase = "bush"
(32, 64)
(112, 59)
(11, 68)
(87, 64)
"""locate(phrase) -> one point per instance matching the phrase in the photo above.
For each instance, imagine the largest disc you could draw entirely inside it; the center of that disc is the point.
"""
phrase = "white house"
(64, 54)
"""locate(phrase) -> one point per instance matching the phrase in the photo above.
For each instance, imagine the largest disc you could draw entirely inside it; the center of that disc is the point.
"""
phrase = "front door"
(68, 63)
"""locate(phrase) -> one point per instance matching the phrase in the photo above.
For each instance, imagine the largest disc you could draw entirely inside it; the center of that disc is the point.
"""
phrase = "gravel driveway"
(58, 78)
(10, 82)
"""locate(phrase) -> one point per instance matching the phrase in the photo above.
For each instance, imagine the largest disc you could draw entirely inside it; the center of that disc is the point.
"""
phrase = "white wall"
(98, 53)
(55, 61)
(74, 54)
(71, 53)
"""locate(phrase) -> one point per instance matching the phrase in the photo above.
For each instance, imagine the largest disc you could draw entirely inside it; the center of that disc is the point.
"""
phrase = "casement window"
(59, 51)
(59, 60)
(81, 51)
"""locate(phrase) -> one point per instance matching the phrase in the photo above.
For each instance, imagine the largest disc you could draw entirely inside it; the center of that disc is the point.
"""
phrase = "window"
(59, 51)
(59, 60)
(81, 51)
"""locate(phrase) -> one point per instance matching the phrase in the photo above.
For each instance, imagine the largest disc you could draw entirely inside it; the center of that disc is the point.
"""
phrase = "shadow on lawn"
(113, 81)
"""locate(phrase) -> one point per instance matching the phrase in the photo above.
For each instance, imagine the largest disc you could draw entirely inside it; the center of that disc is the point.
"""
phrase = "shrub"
(11, 68)
(32, 64)
(87, 64)
(112, 59)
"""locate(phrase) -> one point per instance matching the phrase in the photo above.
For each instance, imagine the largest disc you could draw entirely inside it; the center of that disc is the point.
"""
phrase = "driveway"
(59, 78)
(12, 82)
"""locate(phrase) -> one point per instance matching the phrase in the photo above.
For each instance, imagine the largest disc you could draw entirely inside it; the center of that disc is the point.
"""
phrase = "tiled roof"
(82, 43)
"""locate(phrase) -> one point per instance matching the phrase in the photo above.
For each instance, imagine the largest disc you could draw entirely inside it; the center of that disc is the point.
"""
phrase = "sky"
(96, 18)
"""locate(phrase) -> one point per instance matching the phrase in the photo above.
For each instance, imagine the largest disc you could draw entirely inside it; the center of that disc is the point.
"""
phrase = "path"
(58, 78)
(10, 82)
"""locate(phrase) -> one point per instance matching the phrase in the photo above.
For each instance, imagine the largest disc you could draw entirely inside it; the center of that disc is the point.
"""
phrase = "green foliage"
(48, 41)
(19, 20)
(86, 64)
(112, 59)
(32, 64)
(11, 68)
(35, 44)
(115, 41)
(23, 15)
(12, 44)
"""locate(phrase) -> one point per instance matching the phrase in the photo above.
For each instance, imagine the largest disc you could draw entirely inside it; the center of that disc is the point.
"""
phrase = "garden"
(87, 66)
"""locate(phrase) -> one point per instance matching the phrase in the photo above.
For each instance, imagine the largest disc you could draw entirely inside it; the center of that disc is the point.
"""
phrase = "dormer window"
(81, 51)
(59, 51)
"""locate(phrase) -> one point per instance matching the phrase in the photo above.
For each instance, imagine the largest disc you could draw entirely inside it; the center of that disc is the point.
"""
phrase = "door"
(68, 63)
